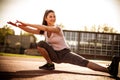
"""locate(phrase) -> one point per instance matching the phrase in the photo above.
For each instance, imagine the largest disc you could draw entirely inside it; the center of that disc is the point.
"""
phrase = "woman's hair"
(44, 21)
(45, 15)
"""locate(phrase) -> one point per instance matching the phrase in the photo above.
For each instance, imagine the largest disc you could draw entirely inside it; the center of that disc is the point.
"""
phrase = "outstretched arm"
(40, 27)
(44, 28)
(24, 27)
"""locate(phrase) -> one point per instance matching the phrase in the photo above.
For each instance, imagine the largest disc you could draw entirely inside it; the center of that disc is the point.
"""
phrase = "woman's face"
(50, 19)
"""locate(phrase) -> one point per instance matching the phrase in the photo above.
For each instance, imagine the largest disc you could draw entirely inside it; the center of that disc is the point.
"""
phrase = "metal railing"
(93, 43)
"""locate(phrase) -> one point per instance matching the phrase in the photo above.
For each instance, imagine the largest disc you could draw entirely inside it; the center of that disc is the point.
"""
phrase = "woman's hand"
(14, 24)
(17, 23)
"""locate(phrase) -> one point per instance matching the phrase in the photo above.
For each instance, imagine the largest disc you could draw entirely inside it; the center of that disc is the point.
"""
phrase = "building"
(17, 43)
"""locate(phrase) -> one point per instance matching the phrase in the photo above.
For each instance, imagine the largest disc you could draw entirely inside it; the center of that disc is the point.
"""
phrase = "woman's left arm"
(42, 27)
(45, 28)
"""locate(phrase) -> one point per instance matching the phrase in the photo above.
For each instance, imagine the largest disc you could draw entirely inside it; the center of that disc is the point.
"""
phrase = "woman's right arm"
(25, 28)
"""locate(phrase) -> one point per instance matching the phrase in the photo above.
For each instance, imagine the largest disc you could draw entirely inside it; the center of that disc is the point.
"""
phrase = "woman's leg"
(112, 69)
(76, 59)
(44, 53)
(47, 52)
(96, 67)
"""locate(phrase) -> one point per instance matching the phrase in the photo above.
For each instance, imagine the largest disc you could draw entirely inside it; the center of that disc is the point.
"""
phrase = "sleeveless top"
(56, 40)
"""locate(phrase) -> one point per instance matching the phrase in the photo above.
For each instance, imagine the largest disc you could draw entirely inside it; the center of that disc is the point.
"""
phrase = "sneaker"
(113, 67)
(47, 66)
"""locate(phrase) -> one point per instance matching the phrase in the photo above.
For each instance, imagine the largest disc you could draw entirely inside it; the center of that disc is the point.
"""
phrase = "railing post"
(78, 43)
(95, 45)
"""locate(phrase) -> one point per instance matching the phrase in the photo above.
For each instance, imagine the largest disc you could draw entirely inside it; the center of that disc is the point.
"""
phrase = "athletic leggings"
(64, 55)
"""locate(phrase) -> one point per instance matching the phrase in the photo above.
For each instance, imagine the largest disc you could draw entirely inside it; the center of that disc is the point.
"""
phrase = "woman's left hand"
(14, 24)
(17, 23)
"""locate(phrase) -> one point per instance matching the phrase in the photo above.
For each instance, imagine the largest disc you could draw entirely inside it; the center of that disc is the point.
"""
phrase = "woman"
(55, 49)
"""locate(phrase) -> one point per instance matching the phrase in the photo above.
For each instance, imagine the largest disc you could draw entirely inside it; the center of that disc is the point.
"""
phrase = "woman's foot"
(47, 66)
(113, 67)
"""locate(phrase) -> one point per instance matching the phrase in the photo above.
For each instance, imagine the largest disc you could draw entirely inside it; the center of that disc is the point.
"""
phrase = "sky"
(73, 14)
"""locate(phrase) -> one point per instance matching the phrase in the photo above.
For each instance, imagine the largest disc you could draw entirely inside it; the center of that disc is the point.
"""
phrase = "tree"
(106, 29)
(85, 28)
(93, 28)
(5, 31)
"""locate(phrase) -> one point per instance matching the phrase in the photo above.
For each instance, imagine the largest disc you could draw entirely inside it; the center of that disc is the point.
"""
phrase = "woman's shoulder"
(59, 26)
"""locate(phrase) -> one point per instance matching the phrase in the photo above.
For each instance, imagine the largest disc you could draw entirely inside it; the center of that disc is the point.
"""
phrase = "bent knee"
(40, 48)
(42, 44)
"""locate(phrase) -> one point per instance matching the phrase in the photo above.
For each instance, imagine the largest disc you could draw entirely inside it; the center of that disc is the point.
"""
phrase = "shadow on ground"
(35, 73)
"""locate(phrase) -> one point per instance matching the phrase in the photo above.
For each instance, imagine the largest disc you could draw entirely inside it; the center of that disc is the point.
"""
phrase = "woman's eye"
(50, 17)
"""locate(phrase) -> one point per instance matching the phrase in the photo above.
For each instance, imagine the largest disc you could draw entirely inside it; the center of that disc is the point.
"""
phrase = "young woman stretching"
(55, 48)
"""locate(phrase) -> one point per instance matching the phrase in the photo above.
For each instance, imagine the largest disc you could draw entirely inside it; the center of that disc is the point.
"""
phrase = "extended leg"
(96, 67)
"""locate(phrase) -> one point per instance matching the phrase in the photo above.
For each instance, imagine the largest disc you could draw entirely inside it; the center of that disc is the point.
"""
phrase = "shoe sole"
(119, 70)
(47, 68)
